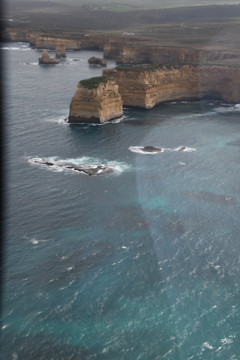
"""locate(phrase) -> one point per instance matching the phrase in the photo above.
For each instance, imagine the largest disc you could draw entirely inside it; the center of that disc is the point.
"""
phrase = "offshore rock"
(96, 100)
(46, 59)
(60, 50)
(97, 61)
(87, 169)
(148, 85)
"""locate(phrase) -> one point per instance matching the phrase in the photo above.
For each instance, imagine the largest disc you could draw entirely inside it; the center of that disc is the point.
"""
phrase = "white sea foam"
(22, 48)
(30, 63)
(227, 109)
(207, 346)
(226, 341)
(34, 241)
(62, 119)
(6, 19)
(115, 121)
(184, 149)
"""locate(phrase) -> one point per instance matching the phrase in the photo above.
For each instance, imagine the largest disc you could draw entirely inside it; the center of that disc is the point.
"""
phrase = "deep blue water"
(141, 264)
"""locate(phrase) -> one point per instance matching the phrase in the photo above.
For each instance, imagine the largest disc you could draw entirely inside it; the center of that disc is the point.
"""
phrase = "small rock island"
(46, 59)
(97, 61)
(96, 100)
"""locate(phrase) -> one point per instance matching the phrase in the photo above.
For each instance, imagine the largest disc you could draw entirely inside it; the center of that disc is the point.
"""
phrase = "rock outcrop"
(149, 85)
(87, 169)
(46, 59)
(96, 100)
(60, 50)
(97, 61)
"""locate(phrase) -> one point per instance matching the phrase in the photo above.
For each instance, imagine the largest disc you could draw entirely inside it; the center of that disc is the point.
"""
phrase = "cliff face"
(131, 50)
(146, 86)
(50, 43)
(96, 100)
(139, 53)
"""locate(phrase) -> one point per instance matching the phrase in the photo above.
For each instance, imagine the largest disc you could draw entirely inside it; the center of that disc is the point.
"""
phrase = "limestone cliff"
(146, 86)
(133, 50)
(44, 42)
(137, 52)
(96, 100)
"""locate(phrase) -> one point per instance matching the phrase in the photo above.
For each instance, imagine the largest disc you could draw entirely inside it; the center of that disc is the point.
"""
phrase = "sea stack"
(46, 59)
(96, 100)
(60, 50)
(97, 61)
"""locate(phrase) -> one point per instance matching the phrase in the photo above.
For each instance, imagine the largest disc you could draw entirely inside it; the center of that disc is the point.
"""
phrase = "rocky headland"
(96, 100)
(148, 85)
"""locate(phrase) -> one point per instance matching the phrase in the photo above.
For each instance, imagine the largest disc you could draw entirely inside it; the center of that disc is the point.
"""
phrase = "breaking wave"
(227, 108)
(30, 63)
(20, 46)
(114, 121)
(62, 119)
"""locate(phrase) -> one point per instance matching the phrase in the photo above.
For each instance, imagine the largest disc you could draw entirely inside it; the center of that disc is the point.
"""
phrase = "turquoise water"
(142, 263)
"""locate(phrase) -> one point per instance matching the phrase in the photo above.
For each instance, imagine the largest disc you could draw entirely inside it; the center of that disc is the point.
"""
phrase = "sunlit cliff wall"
(146, 86)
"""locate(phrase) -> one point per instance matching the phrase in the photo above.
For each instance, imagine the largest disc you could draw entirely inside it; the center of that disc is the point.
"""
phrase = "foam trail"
(227, 108)
(115, 121)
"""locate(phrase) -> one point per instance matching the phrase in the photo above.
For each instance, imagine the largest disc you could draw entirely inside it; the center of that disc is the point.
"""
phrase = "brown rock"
(46, 59)
(96, 100)
(60, 50)
(97, 61)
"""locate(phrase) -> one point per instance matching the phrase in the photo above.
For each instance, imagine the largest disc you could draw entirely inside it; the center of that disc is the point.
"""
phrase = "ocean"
(142, 263)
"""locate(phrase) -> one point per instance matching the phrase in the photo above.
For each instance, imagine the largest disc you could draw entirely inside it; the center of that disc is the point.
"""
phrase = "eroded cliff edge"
(148, 85)
(96, 100)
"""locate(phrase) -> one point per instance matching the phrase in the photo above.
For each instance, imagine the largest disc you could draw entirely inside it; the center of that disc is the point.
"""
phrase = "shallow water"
(142, 263)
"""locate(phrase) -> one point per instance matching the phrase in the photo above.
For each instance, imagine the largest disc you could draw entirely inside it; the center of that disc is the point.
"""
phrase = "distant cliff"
(131, 50)
(147, 85)
(96, 100)
(137, 52)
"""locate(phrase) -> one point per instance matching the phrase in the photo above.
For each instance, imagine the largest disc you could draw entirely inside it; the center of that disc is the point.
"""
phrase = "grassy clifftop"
(94, 82)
